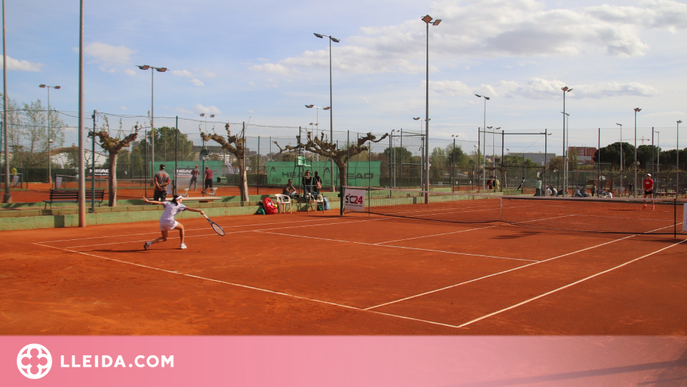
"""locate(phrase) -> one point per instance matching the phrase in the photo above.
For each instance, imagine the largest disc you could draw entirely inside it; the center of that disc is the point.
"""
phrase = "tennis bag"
(269, 206)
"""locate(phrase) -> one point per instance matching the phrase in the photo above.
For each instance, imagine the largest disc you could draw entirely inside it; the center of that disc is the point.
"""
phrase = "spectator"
(289, 189)
(318, 182)
(538, 187)
(208, 179)
(307, 182)
(161, 181)
(194, 179)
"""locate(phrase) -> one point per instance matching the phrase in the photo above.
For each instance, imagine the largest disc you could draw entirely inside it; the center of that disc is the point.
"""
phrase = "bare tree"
(237, 146)
(326, 148)
(113, 146)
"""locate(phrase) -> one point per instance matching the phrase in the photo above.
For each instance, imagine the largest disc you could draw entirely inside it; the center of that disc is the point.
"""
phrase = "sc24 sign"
(355, 200)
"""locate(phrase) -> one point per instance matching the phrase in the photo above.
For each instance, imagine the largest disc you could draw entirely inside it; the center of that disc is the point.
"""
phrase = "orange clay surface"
(323, 274)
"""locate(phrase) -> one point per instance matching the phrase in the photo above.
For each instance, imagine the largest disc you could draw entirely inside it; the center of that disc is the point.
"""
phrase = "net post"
(501, 209)
(675, 218)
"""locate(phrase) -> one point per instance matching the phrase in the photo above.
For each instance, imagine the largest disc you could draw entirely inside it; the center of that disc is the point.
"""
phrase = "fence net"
(399, 161)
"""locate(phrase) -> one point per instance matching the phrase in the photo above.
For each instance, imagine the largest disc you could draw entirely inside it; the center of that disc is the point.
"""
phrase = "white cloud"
(107, 56)
(615, 89)
(182, 73)
(182, 111)
(124, 108)
(272, 68)
(451, 88)
(130, 72)
(206, 73)
(199, 108)
(197, 82)
(539, 88)
(493, 28)
(22, 65)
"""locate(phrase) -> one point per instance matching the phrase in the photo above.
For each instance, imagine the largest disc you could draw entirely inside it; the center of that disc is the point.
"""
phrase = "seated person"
(554, 191)
(307, 182)
(290, 189)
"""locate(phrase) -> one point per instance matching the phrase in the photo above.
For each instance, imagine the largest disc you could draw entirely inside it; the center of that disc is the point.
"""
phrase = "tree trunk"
(243, 181)
(112, 180)
(342, 173)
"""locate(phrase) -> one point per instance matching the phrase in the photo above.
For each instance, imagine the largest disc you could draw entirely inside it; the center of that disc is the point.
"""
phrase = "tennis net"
(625, 216)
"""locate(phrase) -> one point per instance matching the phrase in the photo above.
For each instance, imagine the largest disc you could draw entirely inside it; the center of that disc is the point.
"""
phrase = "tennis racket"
(218, 229)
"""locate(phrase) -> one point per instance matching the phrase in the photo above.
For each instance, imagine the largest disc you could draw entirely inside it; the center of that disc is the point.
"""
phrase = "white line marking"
(496, 274)
(569, 285)
(434, 235)
(188, 229)
(396, 247)
(175, 272)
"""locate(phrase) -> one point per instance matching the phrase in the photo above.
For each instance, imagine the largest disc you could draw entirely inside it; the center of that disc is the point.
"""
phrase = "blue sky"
(259, 60)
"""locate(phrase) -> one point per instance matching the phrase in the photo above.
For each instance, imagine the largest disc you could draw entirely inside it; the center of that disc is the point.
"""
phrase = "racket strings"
(219, 230)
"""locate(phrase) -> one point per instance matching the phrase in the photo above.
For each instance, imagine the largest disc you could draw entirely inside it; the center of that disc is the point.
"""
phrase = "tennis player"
(167, 222)
(649, 190)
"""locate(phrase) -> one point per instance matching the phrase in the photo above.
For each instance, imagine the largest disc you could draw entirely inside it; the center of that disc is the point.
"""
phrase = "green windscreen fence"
(359, 173)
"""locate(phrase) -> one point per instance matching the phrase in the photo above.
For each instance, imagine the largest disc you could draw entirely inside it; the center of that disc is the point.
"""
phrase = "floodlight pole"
(331, 103)
(152, 110)
(427, 19)
(82, 164)
(677, 162)
(43, 86)
(621, 156)
(565, 89)
(658, 151)
(484, 131)
(7, 197)
(636, 165)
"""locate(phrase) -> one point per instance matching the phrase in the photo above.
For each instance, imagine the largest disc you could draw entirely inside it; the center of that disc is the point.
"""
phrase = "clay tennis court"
(324, 274)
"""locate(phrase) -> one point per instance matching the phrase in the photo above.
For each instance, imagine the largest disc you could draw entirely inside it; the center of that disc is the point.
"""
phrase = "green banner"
(359, 173)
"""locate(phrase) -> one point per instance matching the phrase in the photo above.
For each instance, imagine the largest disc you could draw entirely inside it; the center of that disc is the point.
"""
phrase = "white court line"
(209, 234)
(199, 277)
(568, 285)
(397, 247)
(328, 302)
(188, 229)
(174, 272)
(496, 274)
(434, 235)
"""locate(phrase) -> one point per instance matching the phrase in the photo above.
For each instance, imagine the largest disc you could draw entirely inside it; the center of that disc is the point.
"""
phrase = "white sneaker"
(146, 245)
(183, 246)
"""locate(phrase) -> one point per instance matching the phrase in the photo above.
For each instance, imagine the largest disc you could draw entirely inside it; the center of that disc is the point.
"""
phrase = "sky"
(260, 62)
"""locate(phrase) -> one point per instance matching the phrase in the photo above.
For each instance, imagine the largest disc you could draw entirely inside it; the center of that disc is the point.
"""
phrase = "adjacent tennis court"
(325, 274)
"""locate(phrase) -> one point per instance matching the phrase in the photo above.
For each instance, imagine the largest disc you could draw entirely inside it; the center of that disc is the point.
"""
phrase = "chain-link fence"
(398, 161)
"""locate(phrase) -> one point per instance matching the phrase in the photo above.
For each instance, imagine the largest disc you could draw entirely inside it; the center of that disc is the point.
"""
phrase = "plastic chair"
(282, 201)
(316, 200)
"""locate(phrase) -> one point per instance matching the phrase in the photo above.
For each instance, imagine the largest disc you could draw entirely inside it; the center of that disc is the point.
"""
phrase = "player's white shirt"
(171, 210)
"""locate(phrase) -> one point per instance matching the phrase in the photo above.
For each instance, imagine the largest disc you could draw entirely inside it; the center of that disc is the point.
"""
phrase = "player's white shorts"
(168, 226)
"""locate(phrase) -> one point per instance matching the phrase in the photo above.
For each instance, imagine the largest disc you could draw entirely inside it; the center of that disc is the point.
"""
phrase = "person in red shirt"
(649, 190)
(208, 179)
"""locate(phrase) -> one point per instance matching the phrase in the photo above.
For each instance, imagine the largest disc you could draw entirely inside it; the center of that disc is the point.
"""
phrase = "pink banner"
(342, 361)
